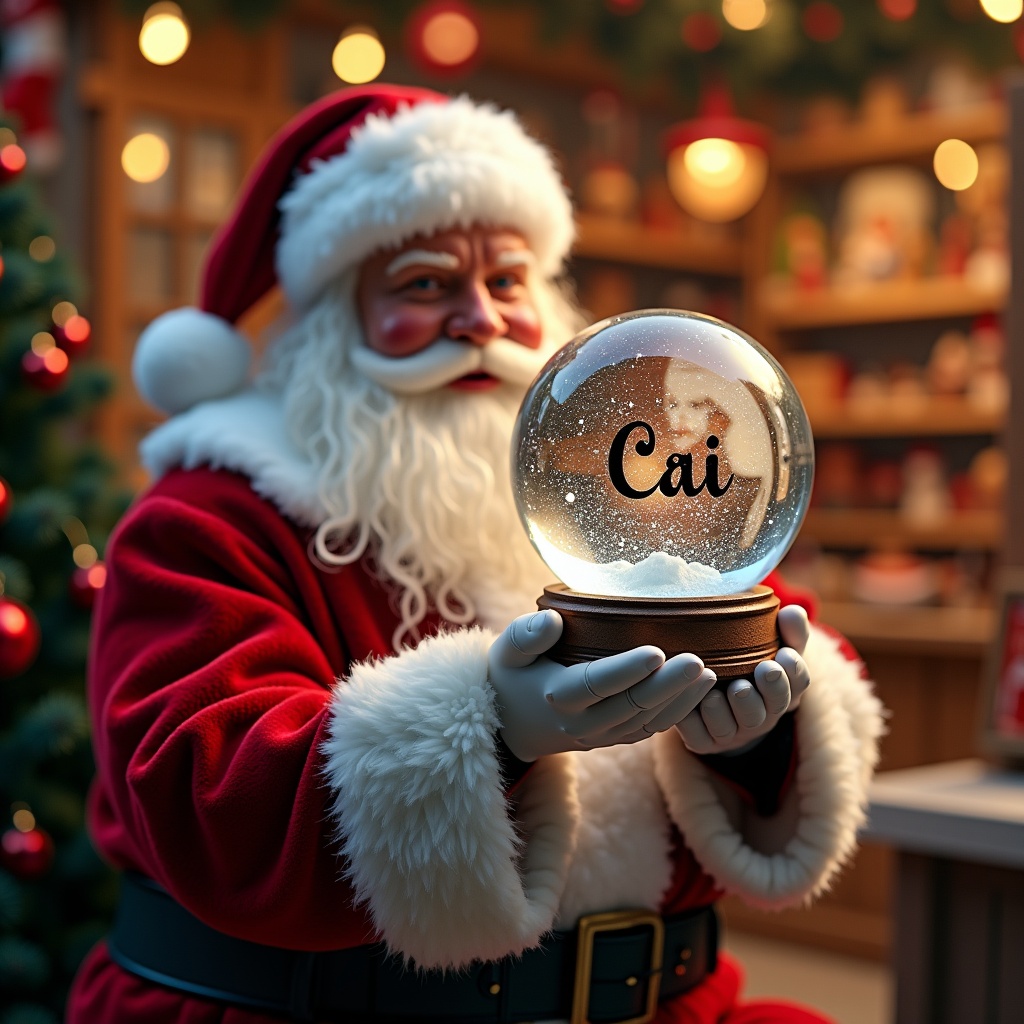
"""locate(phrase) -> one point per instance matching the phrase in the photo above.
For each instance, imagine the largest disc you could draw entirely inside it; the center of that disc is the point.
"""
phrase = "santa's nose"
(476, 319)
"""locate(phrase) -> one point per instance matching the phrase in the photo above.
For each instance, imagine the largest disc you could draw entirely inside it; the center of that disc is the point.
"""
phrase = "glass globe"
(662, 454)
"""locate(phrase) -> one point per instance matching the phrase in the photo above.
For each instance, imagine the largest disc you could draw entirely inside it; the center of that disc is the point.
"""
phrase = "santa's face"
(453, 309)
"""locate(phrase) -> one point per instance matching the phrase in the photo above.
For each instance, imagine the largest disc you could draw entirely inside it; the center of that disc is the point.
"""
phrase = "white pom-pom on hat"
(187, 356)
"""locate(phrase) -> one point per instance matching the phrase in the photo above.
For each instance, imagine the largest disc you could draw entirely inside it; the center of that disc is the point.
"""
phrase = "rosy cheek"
(404, 331)
(524, 324)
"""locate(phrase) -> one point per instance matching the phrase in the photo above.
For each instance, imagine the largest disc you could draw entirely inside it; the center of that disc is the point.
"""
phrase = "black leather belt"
(613, 968)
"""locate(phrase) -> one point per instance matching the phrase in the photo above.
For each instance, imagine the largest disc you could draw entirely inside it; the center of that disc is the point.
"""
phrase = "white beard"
(418, 485)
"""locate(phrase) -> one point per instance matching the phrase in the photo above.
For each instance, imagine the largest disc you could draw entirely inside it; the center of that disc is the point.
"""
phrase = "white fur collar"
(244, 433)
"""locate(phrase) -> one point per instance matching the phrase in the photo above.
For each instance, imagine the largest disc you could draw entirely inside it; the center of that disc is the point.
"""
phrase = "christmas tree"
(58, 500)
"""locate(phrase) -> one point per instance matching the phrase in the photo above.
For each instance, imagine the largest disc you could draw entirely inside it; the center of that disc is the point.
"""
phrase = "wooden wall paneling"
(913, 946)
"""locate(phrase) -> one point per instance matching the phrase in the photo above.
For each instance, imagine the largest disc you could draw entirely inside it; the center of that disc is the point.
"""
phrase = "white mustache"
(446, 361)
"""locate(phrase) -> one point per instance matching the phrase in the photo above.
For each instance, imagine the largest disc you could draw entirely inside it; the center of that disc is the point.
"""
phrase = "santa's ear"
(186, 356)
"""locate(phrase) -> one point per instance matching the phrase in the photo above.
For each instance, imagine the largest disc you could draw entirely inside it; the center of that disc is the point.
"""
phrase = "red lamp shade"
(717, 163)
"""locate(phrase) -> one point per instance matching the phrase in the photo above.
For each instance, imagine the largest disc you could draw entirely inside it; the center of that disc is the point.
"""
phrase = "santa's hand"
(547, 708)
(736, 720)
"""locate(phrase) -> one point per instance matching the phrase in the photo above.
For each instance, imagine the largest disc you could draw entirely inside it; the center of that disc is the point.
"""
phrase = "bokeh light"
(164, 36)
(745, 15)
(956, 164)
(145, 157)
(701, 31)
(823, 21)
(450, 38)
(42, 342)
(12, 158)
(84, 555)
(1003, 10)
(42, 248)
(62, 312)
(898, 10)
(359, 56)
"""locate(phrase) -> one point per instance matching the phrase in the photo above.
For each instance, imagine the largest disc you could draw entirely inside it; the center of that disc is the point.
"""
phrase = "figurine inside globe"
(662, 454)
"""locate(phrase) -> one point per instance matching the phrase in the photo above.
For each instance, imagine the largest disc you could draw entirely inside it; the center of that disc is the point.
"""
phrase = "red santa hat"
(361, 170)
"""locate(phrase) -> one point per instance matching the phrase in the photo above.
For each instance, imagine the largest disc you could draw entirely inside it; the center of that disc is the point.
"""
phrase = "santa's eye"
(505, 282)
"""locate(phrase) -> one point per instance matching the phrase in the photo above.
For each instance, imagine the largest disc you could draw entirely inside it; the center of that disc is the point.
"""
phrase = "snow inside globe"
(662, 454)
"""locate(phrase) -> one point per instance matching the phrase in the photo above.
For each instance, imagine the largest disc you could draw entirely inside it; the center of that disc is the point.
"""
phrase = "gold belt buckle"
(616, 921)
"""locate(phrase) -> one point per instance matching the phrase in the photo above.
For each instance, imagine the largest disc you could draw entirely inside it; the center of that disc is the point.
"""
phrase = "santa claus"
(340, 775)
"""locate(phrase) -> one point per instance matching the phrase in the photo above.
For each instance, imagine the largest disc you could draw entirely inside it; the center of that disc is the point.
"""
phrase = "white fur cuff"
(447, 875)
(792, 856)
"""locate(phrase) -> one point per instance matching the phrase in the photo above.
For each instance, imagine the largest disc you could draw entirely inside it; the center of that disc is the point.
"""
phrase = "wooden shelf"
(605, 238)
(938, 417)
(914, 137)
(946, 631)
(930, 298)
(979, 530)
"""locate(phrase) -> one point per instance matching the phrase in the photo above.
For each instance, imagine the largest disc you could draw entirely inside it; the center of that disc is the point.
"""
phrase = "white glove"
(736, 720)
(547, 708)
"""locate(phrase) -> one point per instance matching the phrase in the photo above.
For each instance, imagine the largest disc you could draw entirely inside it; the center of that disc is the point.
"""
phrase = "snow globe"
(662, 464)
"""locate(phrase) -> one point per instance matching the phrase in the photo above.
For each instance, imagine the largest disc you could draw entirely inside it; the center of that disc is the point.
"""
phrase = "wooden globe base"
(730, 634)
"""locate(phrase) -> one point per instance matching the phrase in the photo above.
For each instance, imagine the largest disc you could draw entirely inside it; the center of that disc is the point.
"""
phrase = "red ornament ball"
(12, 162)
(6, 499)
(823, 21)
(701, 31)
(19, 637)
(897, 10)
(46, 371)
(73, 335)
(26, 854)
(87, 583)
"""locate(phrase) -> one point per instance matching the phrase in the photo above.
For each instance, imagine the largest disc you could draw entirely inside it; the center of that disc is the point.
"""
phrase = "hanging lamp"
(716, 162)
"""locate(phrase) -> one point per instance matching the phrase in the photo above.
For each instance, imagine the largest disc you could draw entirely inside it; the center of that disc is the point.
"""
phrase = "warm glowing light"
(716, 179)
(24, 820)
(13, 620)
(450, 38)
(85, 555)
(956, 164)
(897, 10)
(42, 342)
(7, 137)
(13, 158)
(714, 162)
(745, 15)
(1003, 10)
(164, 36)
(56, 360)
(63, 312)
(77, 329)
(359, 56)
(96, 576)
(42, 248)
(145, 157)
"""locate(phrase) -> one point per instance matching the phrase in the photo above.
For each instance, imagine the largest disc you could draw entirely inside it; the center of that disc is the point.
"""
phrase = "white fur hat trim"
(427, 168)
(186, 356)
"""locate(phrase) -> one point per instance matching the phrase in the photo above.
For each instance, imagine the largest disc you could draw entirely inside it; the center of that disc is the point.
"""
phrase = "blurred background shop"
(833, 177)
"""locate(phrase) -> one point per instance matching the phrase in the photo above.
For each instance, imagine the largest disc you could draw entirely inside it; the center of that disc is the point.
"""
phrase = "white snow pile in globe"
(662, 454)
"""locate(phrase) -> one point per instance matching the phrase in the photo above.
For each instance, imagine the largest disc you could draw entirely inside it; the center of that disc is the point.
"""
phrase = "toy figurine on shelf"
(805, 250)
(989, 386)
(948, 370)
(926, 500)
(883, 225)
(341, 775)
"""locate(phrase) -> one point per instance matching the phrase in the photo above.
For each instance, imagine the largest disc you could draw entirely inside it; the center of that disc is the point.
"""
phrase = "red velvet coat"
(217, 643)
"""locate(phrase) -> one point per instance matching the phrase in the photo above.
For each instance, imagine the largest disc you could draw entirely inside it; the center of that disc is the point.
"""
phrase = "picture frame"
(1002, 708)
